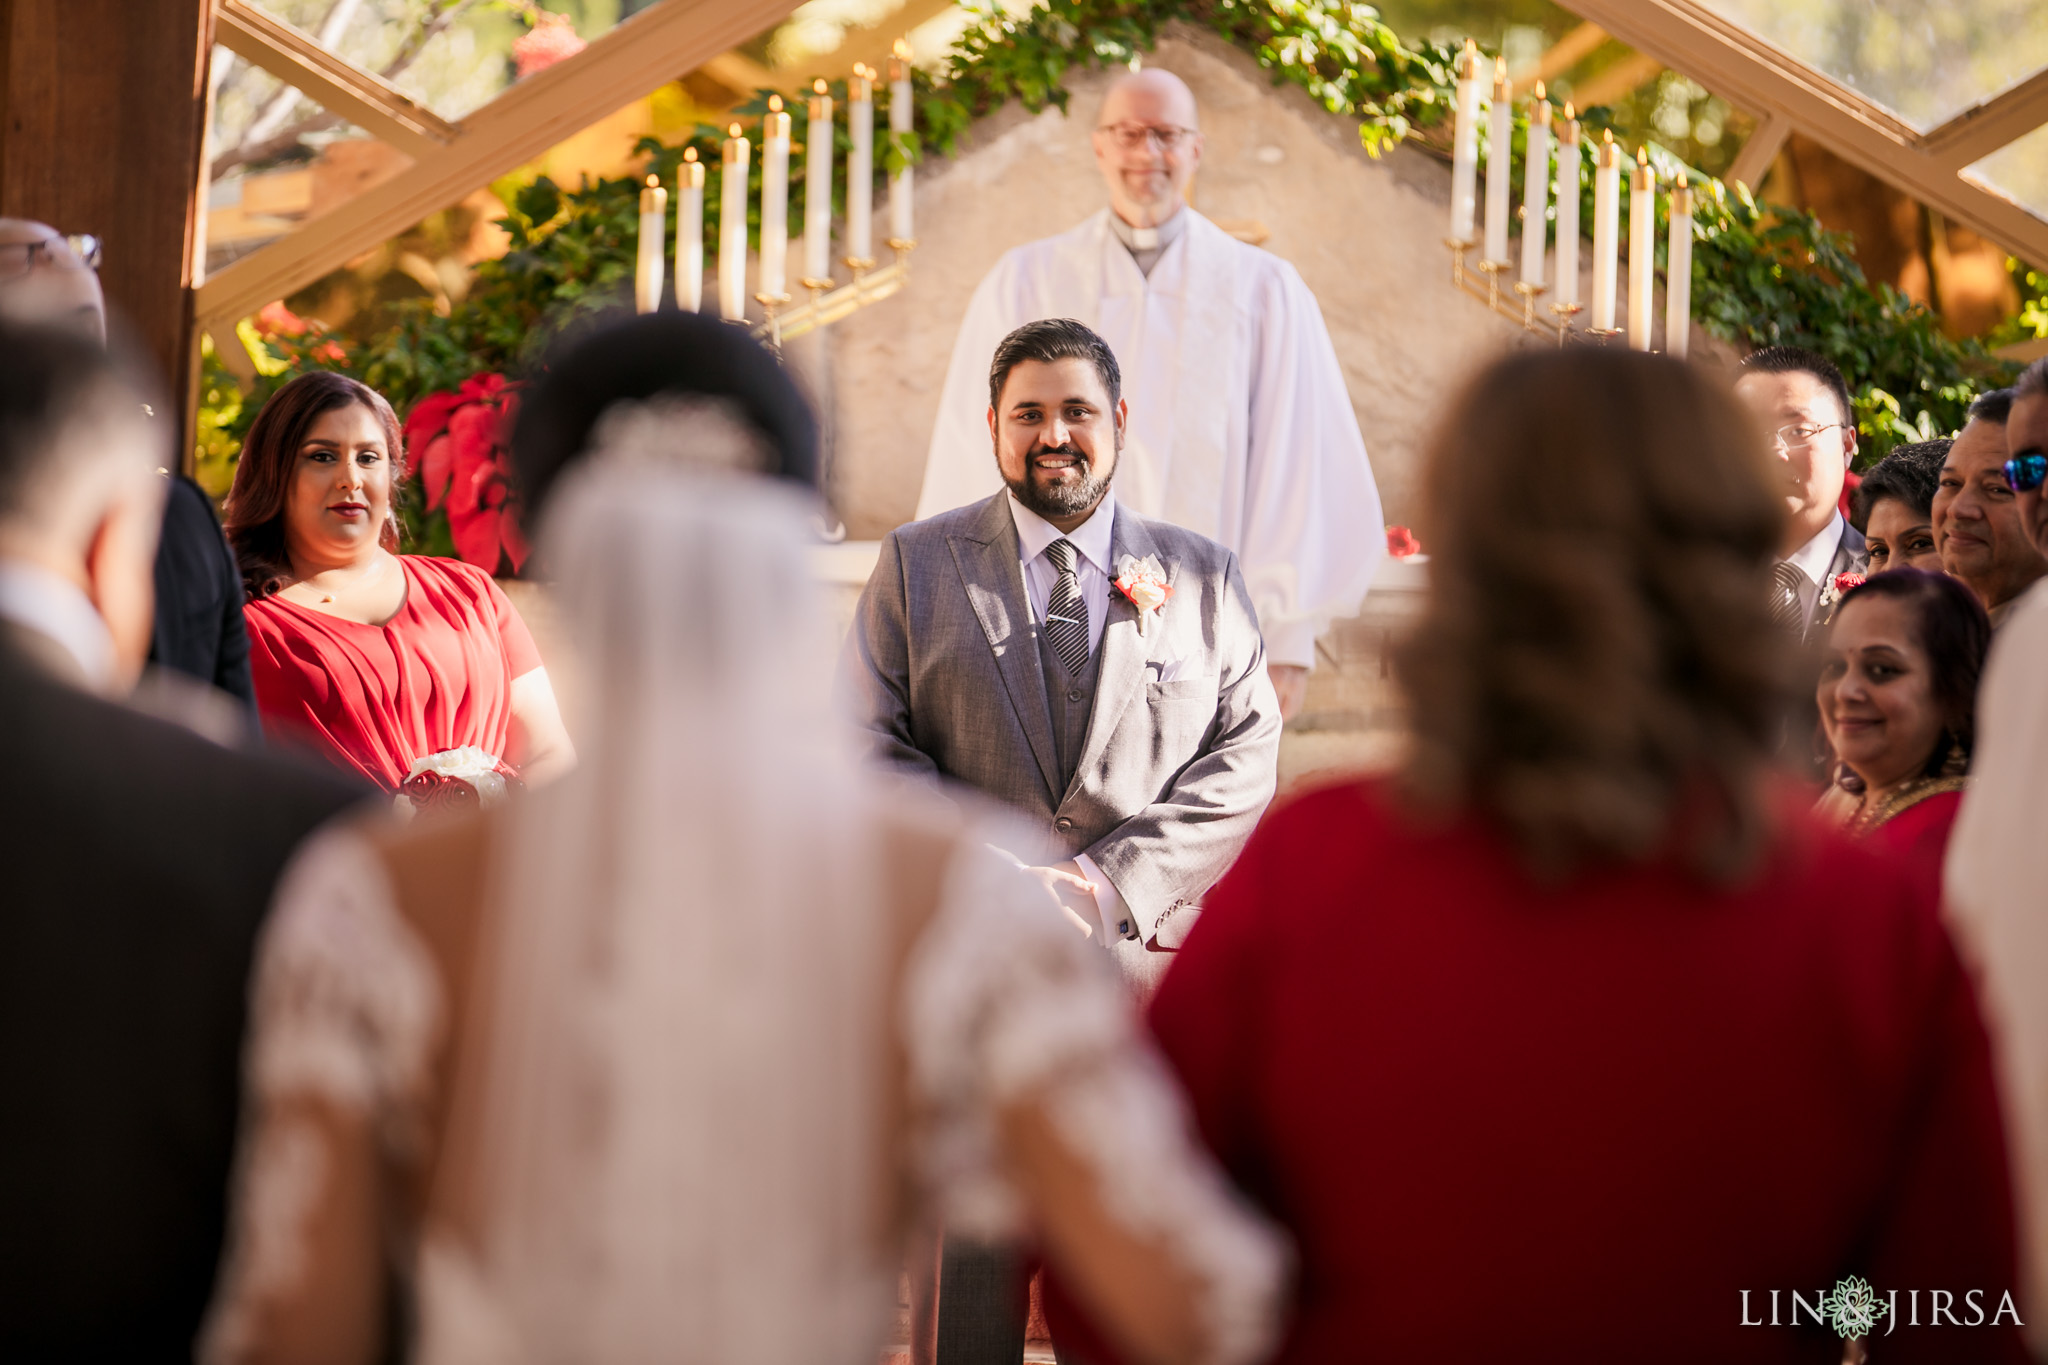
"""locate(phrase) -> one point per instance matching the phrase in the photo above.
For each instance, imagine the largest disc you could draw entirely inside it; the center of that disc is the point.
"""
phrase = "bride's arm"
(1048, 1112)
(342, 1011)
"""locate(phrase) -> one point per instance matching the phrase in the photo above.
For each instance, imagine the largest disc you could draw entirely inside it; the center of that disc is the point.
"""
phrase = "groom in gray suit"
(1101, 673)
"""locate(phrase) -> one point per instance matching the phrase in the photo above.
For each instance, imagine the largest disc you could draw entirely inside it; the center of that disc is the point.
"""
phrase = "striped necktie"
(1066, 615)
(1788, 607)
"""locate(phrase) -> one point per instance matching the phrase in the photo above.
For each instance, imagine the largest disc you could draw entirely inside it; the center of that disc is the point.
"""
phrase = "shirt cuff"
(1109, 904)
(1291, 642)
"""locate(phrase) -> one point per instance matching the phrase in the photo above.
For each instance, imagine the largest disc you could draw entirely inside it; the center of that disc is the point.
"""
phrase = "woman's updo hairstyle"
(619, 359)
(255, 509)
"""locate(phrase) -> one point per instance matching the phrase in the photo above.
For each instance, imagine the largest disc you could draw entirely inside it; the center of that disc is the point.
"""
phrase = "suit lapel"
(1124, 649)
(987, 560)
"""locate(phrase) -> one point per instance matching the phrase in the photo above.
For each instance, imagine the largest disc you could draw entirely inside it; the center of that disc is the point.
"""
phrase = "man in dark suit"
(139, 859)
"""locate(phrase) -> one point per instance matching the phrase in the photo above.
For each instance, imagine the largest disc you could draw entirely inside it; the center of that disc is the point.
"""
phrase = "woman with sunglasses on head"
(1898, 705)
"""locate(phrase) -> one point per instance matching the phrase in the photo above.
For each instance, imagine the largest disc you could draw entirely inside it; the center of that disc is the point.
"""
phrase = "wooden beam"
(1982, 129)
(1751, 74)
(1754, 161)
(336, 85)
(638, 56)
(1566, 53)
(1626, 76)
(102, 126)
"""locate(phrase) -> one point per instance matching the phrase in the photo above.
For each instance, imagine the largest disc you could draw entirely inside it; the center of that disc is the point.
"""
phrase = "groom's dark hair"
(1048, 340)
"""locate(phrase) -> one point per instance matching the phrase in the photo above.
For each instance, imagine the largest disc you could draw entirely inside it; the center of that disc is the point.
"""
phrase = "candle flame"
(1539, 91)
(1568, 114)
(1642, 156)
(1471, 45)
(902, 49)
(1681, 180)
(775, 104)
(818, 86)
(733, 131)
(652, 181)
(689, 154)
(1500, 68)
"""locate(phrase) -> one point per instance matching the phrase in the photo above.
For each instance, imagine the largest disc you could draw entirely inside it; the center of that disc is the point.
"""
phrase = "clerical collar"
(1146, 245)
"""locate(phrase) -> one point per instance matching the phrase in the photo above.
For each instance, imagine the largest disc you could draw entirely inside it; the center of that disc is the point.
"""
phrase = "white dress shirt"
(1813, 558)
(53, 606)
(1092, 574)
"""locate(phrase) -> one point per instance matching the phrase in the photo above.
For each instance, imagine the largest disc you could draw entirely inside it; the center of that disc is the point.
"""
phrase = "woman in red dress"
(398, 667)
(1898, 703)
(1570, 1040)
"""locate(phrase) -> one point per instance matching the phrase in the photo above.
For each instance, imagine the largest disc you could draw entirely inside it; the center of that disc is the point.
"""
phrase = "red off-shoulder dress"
(374, 699)
(1621, 1117)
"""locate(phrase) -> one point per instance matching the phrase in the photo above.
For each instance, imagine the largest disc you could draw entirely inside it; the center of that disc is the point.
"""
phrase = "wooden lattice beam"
(1983, 128)
(1752, 74)
(334, 84)
(638, 56)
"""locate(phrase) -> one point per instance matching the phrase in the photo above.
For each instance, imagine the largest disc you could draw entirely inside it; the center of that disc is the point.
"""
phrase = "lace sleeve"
(344, 1011)
(1003, 1003)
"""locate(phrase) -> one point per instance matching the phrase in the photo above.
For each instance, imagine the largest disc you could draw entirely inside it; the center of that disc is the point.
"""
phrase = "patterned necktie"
(1066, 615)
(1787, 610)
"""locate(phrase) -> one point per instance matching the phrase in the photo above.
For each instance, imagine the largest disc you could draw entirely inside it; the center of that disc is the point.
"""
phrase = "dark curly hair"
(255, 508)
(1596, 667)
(1910, 474)
(1952, 629)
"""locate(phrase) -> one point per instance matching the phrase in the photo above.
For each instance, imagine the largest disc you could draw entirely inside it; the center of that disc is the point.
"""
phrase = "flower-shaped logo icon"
(1853, 1307)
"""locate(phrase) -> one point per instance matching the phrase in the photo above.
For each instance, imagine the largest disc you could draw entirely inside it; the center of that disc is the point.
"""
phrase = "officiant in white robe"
(1240, 428)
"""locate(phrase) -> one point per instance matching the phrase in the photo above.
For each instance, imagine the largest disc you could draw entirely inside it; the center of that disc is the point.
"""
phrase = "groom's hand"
(1075, 893)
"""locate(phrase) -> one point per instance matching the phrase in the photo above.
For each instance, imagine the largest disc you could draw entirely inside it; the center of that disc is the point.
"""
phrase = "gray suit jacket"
(942, 668)
(1852, 555)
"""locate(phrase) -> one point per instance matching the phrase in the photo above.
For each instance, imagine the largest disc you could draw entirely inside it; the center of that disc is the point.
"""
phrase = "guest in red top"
(380, 660)
(1568, 1041)
(1898, 703)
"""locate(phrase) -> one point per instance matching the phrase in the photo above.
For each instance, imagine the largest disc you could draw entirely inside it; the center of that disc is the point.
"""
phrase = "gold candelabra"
(1517, 302)
(827, 305)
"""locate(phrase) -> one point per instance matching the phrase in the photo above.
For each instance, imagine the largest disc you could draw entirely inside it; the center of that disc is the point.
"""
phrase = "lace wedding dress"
(705, 1049)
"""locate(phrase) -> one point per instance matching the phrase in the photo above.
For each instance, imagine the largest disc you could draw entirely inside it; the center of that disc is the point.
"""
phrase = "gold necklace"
(1869, 817)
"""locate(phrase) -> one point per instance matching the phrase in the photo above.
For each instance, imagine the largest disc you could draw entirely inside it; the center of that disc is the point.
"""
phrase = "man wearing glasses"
(1993, 883)
(1241, 427)
(1802, 400)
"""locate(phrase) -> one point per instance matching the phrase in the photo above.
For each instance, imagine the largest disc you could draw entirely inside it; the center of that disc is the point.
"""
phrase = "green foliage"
(1761, 275)
(2031, 322)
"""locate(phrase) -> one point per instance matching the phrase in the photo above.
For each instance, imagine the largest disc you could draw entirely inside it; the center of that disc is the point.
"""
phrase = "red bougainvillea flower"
(465, 464)
(1401, 542)
(553, 39)
(273, 319)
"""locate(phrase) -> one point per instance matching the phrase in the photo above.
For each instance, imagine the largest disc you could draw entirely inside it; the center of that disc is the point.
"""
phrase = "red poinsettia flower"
(1401, 542)
(465, 463)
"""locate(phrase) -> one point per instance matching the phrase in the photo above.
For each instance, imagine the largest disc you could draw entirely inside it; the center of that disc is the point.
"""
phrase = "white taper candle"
(690, 233)
(653, 237)
(900, 185)
(1567, 290)
(1606, 229)
(774, 199)
(1465, 146)
(1499, 164)
(1536, 190)
(860, 166)
(1678, 273)
(1642, 250)
(818, 188)
(736, 155)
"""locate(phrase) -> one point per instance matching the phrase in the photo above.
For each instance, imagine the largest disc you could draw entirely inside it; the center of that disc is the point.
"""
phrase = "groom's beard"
(1066, 498)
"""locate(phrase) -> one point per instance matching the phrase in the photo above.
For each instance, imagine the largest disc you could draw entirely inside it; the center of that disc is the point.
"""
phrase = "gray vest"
(1071, 701)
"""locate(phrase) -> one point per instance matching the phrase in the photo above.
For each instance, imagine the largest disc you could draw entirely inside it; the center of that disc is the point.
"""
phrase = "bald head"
(1148, 144)
(44, 283)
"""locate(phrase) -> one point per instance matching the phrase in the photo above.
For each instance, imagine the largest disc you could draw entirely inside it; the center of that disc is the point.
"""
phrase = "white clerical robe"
(1240, 424)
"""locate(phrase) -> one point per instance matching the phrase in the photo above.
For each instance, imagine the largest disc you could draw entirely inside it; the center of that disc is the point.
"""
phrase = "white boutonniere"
(1143, 581)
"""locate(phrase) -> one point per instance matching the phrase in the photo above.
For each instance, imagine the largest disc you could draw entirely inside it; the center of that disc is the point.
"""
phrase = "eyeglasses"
(19, 258)
(1131, 136)
(1794, 437)
(2025, 473)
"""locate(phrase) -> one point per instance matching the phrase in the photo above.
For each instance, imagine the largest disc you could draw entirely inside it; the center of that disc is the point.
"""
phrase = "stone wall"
(1366, 235)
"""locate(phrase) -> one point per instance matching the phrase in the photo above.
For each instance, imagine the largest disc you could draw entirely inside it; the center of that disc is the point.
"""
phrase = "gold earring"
(1958, 762)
